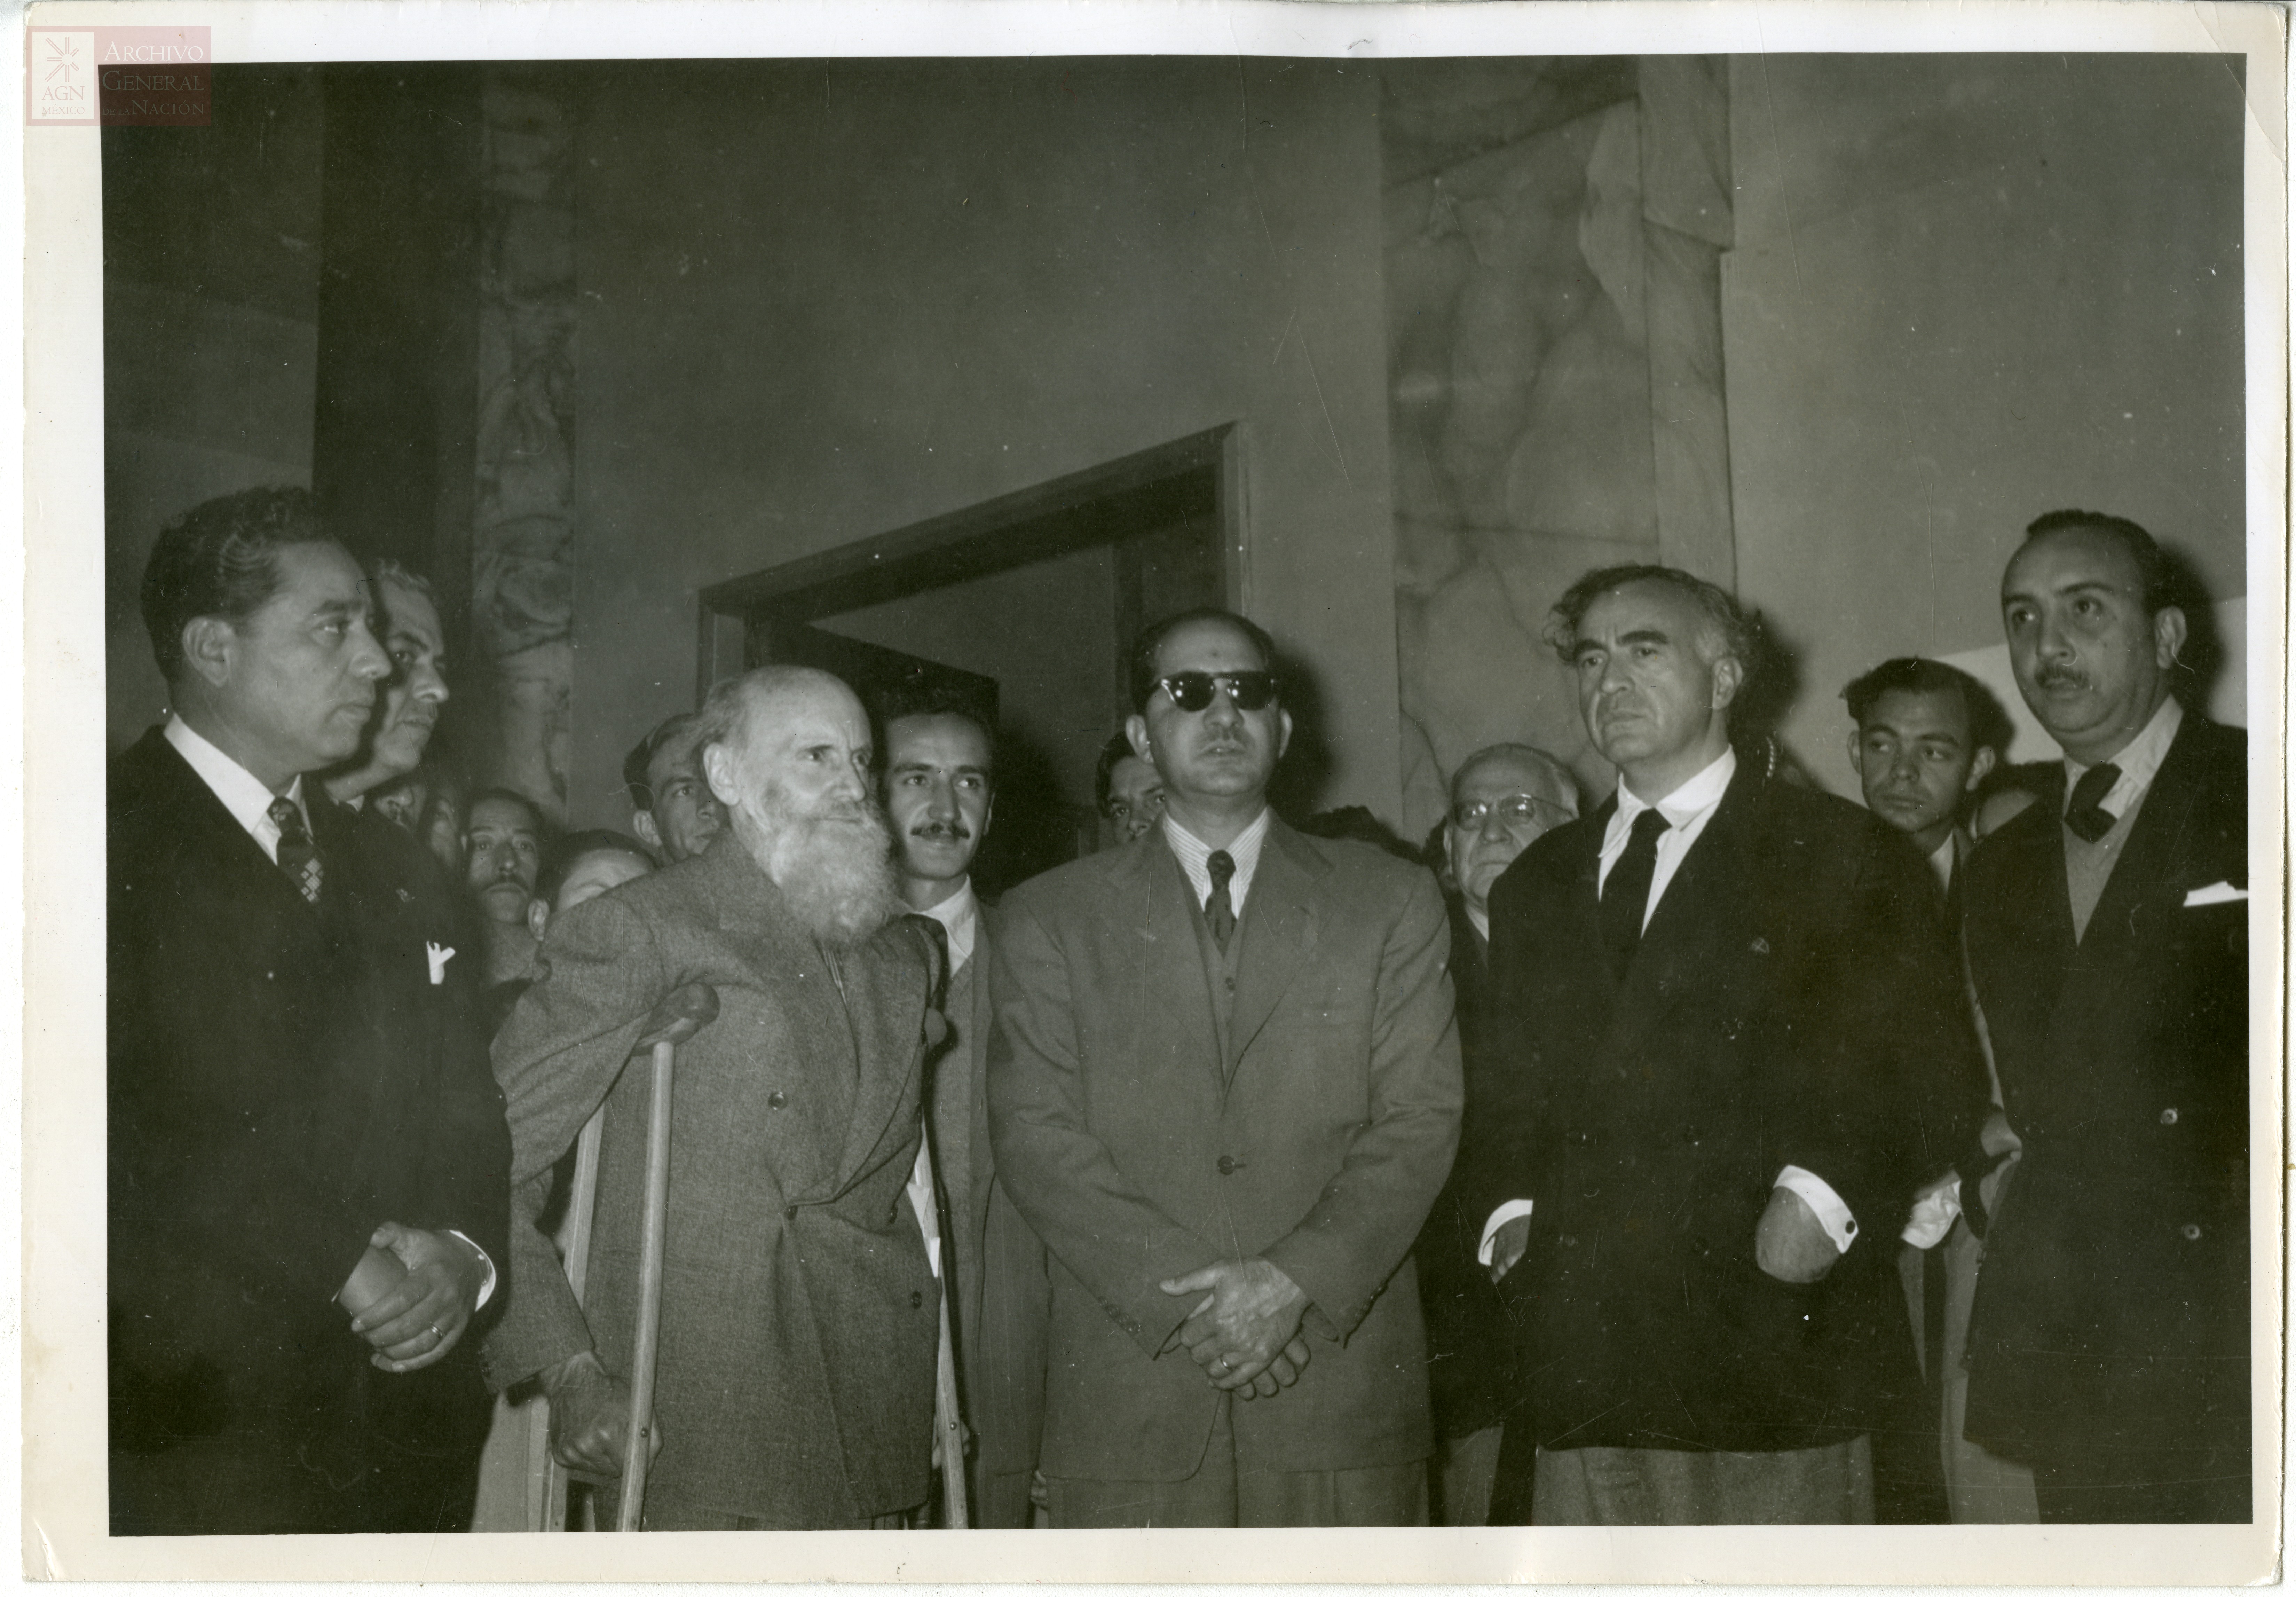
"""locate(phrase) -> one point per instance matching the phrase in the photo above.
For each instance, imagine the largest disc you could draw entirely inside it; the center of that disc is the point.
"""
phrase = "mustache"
(955, 831)
(2060, 676)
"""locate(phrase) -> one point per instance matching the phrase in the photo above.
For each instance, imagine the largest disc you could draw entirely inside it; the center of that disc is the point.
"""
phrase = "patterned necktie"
(1626, 896)
(299, 857)
(2087, 813)
(1218, 909)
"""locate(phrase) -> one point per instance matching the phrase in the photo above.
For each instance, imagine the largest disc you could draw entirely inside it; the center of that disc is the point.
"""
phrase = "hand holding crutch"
(676, 1019)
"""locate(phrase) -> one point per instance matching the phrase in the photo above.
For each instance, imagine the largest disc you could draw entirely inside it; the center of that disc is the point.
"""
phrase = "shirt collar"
(1194, 855)
(1942, 856)
(1480, 919)
(1687, 802)
(242, 793)
(2138, 764)
(959, 914)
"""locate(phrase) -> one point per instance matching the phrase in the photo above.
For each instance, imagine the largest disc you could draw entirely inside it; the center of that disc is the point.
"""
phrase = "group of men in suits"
(1178, 1126)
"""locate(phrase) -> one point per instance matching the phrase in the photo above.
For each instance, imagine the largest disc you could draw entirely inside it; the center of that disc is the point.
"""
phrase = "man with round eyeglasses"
(1224, 1089)
(1503, 798)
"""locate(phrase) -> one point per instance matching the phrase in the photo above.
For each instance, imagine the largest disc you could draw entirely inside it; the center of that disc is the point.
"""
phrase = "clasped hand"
(1244, 1335)
(421, 1318)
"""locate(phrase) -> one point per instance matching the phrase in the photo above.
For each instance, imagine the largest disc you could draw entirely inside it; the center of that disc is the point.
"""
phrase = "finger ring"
(438, 1333)
(1225, 1366)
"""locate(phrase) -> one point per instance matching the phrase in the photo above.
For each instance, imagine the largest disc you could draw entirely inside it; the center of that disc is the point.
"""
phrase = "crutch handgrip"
(678, 1017)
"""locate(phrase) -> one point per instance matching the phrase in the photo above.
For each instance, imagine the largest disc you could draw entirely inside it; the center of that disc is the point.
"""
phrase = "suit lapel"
(2147, 860)
(210, 830)
(1278, 931)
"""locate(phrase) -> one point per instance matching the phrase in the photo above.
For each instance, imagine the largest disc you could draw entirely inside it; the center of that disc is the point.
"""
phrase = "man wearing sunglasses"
(1224, 1090)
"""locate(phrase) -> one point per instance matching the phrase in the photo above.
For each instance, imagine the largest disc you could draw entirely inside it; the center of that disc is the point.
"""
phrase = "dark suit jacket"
(1470, 1348)
(800, 1317)
(282, 1078)
(2113, 1306)
(1139, 1154)
(1791, 1003)
(1002, 1289)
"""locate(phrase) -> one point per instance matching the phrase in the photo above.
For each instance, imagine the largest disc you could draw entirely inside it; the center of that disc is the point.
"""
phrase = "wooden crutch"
(673, 1021)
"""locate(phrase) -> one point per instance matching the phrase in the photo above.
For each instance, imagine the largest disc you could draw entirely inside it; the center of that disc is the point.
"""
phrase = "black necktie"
(2087, 813)
(1218, 908)
(299, 857)
(1626, 896)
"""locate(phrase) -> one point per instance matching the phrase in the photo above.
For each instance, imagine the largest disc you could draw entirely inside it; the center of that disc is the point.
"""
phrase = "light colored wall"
(1967, 290)
(822, 302)
(1043, 632)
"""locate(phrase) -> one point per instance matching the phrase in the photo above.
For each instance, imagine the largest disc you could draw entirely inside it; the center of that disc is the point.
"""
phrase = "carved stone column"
(521, 535)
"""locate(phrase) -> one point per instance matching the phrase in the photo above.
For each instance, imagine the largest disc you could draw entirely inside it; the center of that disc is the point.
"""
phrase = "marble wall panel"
(1556, 402)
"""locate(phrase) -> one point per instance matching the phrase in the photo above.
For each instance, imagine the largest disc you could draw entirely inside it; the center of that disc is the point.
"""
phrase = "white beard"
(835, 868)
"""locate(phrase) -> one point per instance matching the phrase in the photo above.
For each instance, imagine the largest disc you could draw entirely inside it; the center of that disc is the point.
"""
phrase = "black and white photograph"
(1485, 772)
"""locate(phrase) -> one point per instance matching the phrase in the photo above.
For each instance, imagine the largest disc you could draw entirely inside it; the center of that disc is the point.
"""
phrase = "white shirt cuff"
(487, 1286)
(1934, 1212)
(1514, 1208)
(1824, 1201)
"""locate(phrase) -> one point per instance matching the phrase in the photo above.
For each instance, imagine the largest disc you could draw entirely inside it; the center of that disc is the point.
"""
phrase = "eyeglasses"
(1516, 809)
(1192, 691)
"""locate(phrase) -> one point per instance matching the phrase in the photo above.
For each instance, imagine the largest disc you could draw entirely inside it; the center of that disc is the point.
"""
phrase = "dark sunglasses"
(1192, 691)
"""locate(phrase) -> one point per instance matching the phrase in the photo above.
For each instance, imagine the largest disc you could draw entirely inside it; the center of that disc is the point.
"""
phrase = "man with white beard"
(799, 1316)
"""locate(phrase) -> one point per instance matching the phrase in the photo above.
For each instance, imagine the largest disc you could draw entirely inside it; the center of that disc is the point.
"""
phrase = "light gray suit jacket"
(799, 1315)
(1138, 1153)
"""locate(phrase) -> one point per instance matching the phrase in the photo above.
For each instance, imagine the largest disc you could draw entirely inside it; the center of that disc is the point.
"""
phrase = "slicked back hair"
(1988, 724)
(637, 765)
(1143, 672)
(2156, 578)
(559, 861)
(386, 569)
(1732, 628)
(932, 698)
(221, 559)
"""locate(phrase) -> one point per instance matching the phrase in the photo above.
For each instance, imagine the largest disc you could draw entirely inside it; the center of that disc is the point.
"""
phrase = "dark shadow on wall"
(2201, 660)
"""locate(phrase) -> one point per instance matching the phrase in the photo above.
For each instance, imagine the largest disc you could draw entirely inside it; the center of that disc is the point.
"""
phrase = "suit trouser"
(1653, 1486)
(1981, 1487)
(1226, 1492)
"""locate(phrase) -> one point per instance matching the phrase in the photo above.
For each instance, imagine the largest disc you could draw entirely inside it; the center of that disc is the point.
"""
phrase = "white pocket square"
(438, 958)
(2219, 892)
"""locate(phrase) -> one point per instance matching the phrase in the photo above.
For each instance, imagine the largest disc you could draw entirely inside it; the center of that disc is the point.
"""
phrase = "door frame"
(1008, 530)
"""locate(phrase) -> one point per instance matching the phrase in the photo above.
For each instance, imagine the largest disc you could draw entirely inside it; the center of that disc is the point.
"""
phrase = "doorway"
(1024, 606)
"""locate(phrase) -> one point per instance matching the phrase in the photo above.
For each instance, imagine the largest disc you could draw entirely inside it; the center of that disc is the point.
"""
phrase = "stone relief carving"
(1555, 400)
(521, 545)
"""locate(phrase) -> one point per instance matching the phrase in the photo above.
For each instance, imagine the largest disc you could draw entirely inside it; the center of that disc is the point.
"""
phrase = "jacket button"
(2189, 1232)
(789, 1213)
(916, 1300)
(1568, 1241)
(776, 1100)
(1226, 1165)
(2169, 1116)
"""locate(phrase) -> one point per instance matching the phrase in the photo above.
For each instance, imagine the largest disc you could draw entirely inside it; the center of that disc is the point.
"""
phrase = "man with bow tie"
(308, 1162)
(1734, 1046)
(2106, 931)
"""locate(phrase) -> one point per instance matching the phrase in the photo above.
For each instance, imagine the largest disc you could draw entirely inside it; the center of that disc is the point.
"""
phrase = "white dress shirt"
(1687, 809)
(1194, 855)
(1941, 861)
(2138, 764)
(959, 915)
(243, 794)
